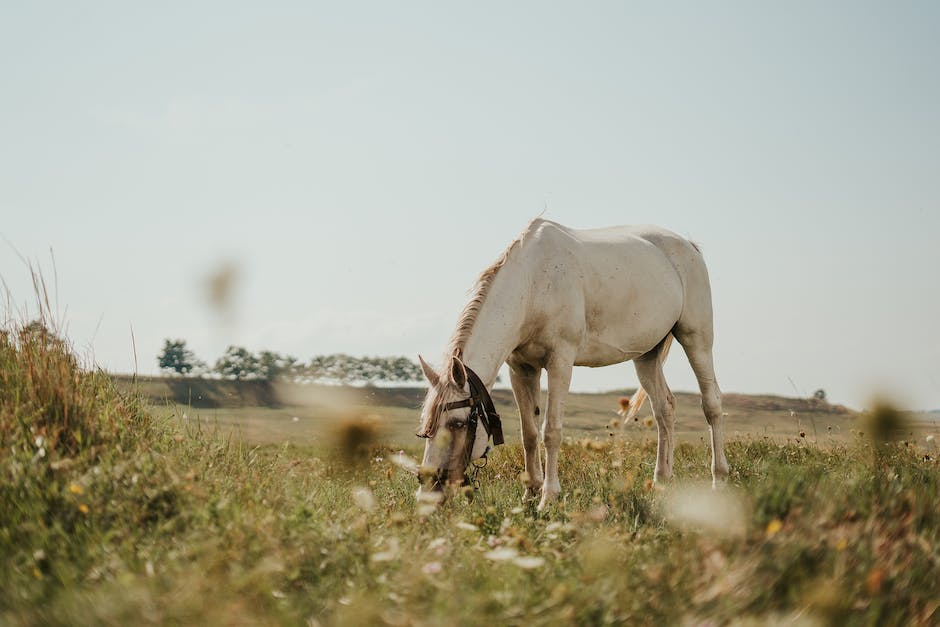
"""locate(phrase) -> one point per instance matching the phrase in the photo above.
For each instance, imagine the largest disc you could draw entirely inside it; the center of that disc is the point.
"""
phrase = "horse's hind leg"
(649, 369)
(698, 348)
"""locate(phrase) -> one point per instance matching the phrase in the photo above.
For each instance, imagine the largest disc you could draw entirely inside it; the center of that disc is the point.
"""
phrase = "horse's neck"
(498, 327)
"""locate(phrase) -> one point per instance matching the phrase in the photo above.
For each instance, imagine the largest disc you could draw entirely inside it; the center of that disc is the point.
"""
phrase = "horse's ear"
(458, 373)
(429, 372)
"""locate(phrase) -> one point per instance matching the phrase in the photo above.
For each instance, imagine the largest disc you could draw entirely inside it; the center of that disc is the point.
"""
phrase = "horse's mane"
(470, 312)
(468, 318)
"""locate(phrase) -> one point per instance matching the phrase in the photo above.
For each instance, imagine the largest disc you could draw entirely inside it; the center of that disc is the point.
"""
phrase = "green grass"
(114, 512)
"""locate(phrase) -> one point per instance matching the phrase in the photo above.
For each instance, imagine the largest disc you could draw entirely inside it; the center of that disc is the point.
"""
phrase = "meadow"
(116, 508)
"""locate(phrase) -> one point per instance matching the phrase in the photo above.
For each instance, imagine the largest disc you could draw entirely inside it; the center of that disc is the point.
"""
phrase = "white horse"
(558, 298)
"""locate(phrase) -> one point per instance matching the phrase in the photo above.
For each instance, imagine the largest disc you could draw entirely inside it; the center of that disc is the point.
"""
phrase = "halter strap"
(489, 416)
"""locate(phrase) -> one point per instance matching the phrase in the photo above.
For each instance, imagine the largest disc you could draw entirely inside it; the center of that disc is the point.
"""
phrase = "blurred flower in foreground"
(774, 527)
(885, 423)
(502, 554)
(431, 568)
(391, 552)
(404, 462)
(363, 498)
(624, 405)
(699, 507)
(428, 502)
(220, 288)
(354, 436)
(529, 562)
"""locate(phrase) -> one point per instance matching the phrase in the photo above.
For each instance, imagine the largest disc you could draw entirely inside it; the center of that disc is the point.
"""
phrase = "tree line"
(240, 364)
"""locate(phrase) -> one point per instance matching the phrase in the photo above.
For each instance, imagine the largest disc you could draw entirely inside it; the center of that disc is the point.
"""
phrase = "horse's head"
(456, 423)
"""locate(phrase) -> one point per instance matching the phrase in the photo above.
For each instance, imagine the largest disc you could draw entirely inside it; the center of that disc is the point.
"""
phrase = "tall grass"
(111, 515)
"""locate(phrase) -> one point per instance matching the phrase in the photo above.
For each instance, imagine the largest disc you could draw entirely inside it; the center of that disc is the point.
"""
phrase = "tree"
(820, 394)
(341, 368)
(238, 363)
(273, 365)
(177, 358)
(403, 369)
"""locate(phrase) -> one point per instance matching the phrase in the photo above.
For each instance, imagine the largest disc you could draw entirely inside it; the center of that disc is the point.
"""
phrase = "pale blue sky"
(362, 162)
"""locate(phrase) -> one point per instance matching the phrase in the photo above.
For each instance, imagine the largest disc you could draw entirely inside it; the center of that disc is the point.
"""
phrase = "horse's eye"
(456, 425)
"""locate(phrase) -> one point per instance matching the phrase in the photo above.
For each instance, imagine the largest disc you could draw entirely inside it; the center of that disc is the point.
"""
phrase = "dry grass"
(118, 514)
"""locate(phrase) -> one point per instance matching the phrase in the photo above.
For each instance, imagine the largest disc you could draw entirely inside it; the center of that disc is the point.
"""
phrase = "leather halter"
(482, 410)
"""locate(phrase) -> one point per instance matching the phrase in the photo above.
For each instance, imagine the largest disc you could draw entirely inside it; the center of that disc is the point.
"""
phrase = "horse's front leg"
(559, 379)
(525, 388)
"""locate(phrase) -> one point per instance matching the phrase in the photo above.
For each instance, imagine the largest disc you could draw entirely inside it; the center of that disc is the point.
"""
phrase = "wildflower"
(699, 508)
(874, 580)
(529, 562)
(83, 508)
(598, 514)
(426, 509)
(885, 423)
(467, 526)
(74, 488)
(773, 527)
(388, 555)
(404, 462)
(501, 554)
(431, 568)
(438, 546)
(363, 498)
(624, 405)
(354, 436)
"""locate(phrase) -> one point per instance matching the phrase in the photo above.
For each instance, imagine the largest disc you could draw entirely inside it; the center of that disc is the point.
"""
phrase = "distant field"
(264, 413)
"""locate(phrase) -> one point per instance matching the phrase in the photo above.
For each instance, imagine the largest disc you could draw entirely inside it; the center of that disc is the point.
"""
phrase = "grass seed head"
(355, 437)
(884, 423)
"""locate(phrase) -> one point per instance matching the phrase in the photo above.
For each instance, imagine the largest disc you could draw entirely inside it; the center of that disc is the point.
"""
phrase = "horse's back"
(629, 248)
(623, 288)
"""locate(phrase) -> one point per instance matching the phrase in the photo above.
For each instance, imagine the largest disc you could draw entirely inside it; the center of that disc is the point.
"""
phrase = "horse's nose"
(433, 482)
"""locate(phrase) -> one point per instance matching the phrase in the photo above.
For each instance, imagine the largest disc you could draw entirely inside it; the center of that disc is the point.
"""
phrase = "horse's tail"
(639, 397)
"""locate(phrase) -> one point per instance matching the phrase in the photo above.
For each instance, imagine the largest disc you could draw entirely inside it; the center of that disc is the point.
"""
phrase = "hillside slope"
(275, 412)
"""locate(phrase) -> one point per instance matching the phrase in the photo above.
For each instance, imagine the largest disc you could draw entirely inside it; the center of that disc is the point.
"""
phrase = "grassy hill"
(263, 412)
(117, 511)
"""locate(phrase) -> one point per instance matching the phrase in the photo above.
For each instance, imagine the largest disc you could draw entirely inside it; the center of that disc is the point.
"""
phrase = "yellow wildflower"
(773, 527)
(83, 508)
(74, 488)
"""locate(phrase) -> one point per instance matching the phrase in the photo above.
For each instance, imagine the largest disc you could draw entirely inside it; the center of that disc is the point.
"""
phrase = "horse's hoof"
(548, 498)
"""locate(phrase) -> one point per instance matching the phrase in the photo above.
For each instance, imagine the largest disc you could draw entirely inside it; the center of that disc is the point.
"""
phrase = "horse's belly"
(595, 354)
(627, 327)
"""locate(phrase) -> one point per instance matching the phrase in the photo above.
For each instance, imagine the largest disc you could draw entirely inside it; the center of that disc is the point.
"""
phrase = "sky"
(357, 164)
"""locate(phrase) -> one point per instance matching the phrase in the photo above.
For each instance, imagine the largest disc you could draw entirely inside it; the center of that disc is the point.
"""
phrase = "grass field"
(119, 511)
(260, 413)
